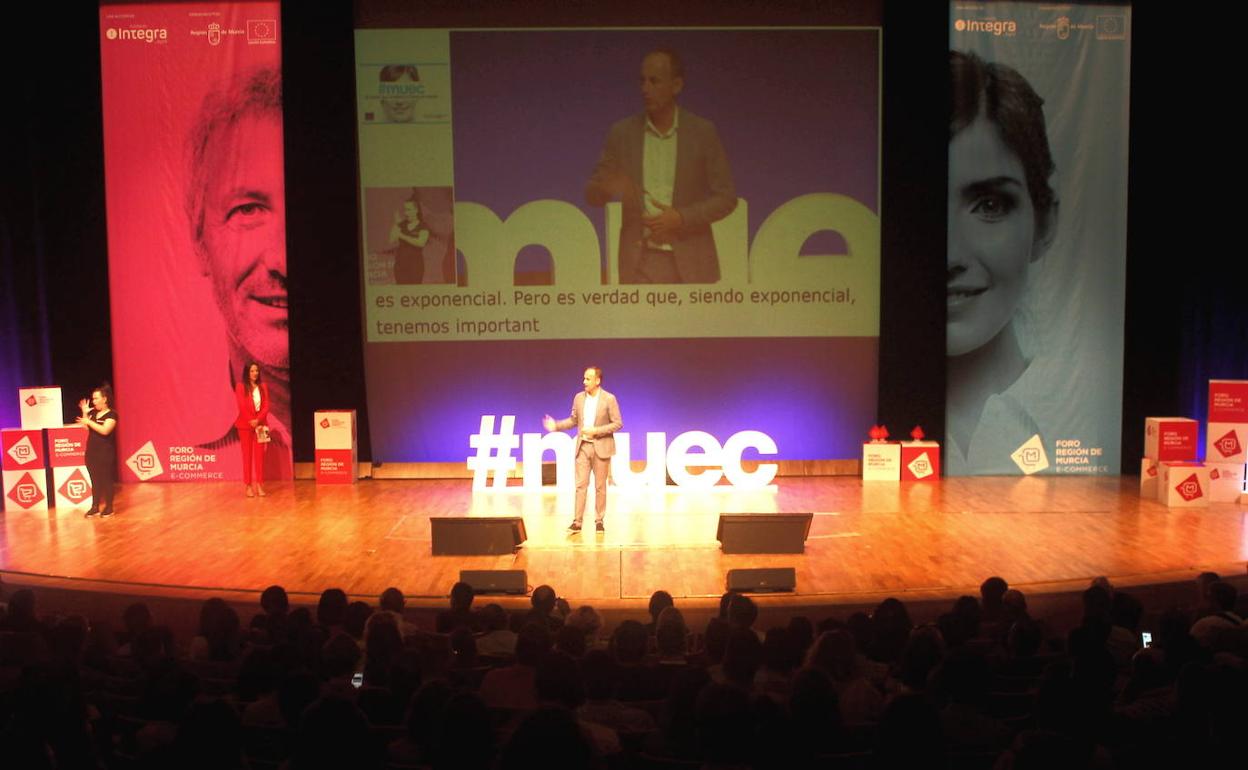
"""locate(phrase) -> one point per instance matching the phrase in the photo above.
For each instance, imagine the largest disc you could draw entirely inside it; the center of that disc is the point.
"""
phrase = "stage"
(868, 540)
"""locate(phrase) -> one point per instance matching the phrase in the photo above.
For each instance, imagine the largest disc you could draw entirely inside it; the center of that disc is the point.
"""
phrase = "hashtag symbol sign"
(493, 451)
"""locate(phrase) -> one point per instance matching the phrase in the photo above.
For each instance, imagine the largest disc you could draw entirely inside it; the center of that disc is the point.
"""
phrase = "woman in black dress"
(409, 234)
(101, 421)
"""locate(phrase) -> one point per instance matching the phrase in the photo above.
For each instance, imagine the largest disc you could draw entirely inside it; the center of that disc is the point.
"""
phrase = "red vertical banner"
(195, 189)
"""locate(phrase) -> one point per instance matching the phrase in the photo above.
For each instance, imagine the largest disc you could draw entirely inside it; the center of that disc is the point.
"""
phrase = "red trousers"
(251, 449)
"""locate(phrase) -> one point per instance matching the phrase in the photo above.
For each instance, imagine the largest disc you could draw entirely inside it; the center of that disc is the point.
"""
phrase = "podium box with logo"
(881, 461)
(1170, 439)
(67, 456)
(40, 407)
(336, 455)
(1226, 482)
(24, 470)
(1183, 485)
(1226, 436)
(920, 461)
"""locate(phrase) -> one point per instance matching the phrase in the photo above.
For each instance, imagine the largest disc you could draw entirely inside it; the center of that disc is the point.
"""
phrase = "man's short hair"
(258, 92)
(392, 600)
(597, 371)
(676, 66)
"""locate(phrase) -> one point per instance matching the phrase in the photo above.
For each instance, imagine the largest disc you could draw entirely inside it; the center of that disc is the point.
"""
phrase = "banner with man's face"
(196, 234)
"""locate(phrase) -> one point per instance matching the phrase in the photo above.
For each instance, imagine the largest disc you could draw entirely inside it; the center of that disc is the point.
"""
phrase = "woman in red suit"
(253, 432)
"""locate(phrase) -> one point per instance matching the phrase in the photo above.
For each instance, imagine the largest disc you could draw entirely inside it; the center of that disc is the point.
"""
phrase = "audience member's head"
(629, 642)
(964, 678)
(742, 611)
(671, 636)
(210, 736)
(1222, 596)
(356, 617)
(331, 610)
(532, 644)
(494, 617)
(715, 639)
(725, 725)
(1126, 611)
(742, 658)
(339, 657)
(598, 673)
(1024, 639)
(1097, 602)
(549, 737)
(136, 618)
(462, 595)
(570, 641)
(274, 600)
(1014, 605)
(559, 682)
(543, 599)
(835, 654)
(909, 734)
(466, 740)
(588, 621)
(991, 592)
(813, 705)
(659, 601)
(333, 732)
(392, 600)
(924, 652)
(801, 636)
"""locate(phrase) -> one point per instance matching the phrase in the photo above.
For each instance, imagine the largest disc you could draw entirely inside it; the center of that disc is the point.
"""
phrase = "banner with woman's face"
(1036, 260)
(194, 180)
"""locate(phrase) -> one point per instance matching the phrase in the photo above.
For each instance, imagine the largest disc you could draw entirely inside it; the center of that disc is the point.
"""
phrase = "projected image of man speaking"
(668, 169)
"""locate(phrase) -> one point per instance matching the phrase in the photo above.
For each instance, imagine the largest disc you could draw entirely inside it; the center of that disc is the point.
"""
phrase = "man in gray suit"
(668, 169)
(596, 415)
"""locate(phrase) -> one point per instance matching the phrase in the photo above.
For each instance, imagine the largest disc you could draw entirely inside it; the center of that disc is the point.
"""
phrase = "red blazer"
(246, 406)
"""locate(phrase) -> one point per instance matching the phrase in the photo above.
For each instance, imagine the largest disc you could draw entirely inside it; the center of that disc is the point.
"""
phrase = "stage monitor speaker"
(457, 536)
(762, 580)
(763, 532)
(495, 581)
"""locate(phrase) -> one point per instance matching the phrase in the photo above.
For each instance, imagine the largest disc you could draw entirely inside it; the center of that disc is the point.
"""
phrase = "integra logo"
(146, 35)
(991, 26)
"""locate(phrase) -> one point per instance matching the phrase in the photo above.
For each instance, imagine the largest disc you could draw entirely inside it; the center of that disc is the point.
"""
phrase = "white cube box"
(1226, 482)
(1183, 485)
(1150, 473)
(1226, 442)
(881, 461)
(1170, 438)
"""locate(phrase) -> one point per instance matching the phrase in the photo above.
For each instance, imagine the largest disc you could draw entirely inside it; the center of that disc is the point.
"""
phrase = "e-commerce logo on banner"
(495, 455)
(1031, 457)
(145, 464)
(26, 493)
(23, 451)
(76, 488)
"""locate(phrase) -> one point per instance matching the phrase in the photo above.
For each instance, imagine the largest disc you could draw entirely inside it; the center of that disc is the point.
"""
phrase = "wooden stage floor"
(867, 540)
